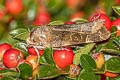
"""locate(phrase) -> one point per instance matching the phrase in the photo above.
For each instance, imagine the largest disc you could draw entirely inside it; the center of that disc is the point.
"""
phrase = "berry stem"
(37, 55)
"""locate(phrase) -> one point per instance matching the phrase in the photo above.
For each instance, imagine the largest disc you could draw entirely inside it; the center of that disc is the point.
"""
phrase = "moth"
(56, 36)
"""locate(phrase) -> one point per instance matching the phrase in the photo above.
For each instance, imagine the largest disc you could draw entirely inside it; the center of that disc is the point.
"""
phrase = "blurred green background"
(23, 13)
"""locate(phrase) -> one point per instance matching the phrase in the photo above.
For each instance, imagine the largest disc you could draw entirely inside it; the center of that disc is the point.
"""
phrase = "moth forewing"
(65, 35)
(73, 38)
(88, 27)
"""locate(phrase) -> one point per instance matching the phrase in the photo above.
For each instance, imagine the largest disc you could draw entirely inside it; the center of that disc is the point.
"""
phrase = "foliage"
(59, 12)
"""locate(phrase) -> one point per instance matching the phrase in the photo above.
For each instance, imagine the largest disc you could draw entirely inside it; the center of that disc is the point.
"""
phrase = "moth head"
(38, 36)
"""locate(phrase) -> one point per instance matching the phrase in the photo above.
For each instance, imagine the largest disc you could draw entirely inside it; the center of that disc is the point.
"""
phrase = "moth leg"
(38, 60)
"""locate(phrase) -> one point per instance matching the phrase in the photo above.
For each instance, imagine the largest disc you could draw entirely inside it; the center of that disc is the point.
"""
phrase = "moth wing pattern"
(87, 28)
(65, 35)
(74, 38)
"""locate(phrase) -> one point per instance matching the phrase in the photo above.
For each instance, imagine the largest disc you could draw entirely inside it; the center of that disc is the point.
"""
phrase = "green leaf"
(112, 18)
(33, 26)
(47, 56)
(107, 78)
(7, 72)
(117, 40)
(47, 71)
(87, 62)
(20, 34)
(2, 30)
(111, 51)
(87, 75)
(108, 6)
(55, 6)
(25, 70)
(111, 48)
(116, 9)
(116, 78)
(32, 11)
(22, 47)
(84, 50)
(99, 47)
(8, 78)
(80, 20)
(43, 60)
(27, 3)
(113, 65)
(98, 77)
(113, 30)
(56, 23)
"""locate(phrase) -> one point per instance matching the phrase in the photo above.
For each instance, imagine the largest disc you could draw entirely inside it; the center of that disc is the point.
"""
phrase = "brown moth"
(68, 34)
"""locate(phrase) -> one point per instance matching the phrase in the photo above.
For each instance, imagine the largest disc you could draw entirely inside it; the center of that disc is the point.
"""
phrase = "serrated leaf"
(87, 75)
(87, 62)
(25, 70)
(7, 72)
(56, 23)
(20, 34)
(84, 50)
(47, 71)
(116, 9)
(113, 65)
(22, 47)
(47, 56)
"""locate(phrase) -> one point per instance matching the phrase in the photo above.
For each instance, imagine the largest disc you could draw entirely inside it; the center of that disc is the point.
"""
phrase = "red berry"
(1, 14)
(42, 18)
(73, 4)
(117, 24)
(33, 60)
(11, 57)
(32, 51)
(110, 74)
(101, 16)
(69, 23)
(14, 6)
(3, 48)
(63, 58)
(77, 15)
(117, 1)
(99, 59)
